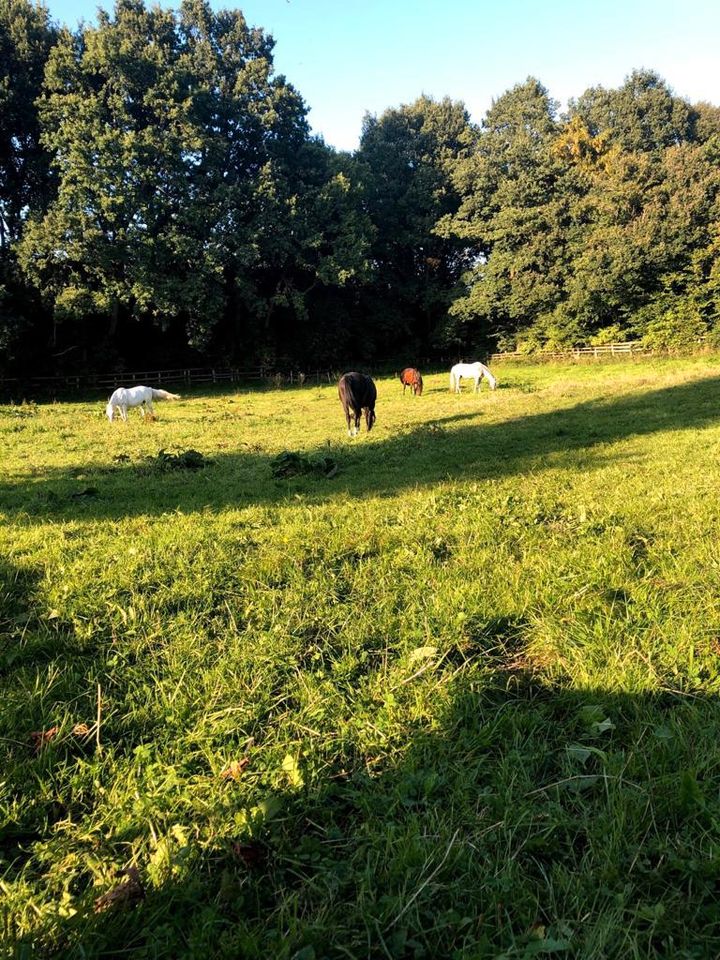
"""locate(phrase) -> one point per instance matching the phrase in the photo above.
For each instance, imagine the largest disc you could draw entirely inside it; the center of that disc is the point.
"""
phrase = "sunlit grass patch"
(455, 696)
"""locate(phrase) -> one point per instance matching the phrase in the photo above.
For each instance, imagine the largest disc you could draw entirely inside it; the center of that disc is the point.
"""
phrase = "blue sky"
(349, 57)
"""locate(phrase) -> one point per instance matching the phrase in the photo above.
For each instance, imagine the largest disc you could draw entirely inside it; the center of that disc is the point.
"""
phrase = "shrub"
(677, 328)
(611, 334)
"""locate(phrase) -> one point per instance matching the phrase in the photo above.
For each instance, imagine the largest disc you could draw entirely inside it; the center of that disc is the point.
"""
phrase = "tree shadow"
(517, 817)
(415, 457)
(29, 644)
(523, 819)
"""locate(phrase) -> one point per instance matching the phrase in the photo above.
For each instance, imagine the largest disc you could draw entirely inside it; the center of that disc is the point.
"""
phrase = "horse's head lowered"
(410, 377)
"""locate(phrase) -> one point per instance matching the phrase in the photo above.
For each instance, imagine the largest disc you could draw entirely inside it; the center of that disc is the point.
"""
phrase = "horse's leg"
(346, 411)
(123, 413)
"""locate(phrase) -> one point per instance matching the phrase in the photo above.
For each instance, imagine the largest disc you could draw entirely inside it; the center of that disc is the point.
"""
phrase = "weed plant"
(454, 695)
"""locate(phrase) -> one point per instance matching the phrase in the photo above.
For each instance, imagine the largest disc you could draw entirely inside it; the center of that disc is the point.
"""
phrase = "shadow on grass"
(30, 645)
(520, 818)
(432, 452)
(524, 819)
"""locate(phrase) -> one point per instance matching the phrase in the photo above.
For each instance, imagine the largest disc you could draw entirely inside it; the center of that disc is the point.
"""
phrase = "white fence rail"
(627, 348)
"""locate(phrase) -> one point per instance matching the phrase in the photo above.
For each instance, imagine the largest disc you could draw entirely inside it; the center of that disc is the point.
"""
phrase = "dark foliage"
(163, 203)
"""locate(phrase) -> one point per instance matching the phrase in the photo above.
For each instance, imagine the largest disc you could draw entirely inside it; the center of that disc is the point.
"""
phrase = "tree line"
(162, 200)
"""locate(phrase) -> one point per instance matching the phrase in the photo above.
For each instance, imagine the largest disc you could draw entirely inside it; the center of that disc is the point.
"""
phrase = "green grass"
(474, 674)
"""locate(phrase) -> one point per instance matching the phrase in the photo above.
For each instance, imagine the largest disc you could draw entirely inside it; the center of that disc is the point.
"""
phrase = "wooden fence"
(106, 382)
(627, 348)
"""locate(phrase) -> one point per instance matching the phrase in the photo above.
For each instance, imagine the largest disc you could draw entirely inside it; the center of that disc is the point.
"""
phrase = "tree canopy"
(159, 185)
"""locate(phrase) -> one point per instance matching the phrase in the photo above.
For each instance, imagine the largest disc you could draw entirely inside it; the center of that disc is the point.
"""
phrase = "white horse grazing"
(474, 371)
(142, 397)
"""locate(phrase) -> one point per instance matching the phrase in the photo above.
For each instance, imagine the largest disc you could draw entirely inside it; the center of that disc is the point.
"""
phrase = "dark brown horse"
(357, 393)
(410, 377)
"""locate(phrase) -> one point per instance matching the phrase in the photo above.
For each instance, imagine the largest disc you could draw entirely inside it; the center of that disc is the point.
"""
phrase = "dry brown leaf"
(40, 738)
(252, 853)
(126, 894)
(235, 769)
(81, 730)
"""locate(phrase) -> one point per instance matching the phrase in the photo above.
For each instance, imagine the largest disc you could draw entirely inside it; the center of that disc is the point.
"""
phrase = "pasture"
(448, 689)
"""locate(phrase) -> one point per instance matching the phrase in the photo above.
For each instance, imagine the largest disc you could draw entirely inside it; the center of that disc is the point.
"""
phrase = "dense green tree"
(641, 115)
(189, 190)
(157, 175)
(313, 237)
(647, 217)
(407, 155)
(592, 226)
(707, 122)
(249, 128)
(186, 179)
(117, 117)
(512, 216)
(26, 37)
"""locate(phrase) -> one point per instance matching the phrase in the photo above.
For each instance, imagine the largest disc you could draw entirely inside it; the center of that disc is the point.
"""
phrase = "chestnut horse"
(357, 393)
(410, 377)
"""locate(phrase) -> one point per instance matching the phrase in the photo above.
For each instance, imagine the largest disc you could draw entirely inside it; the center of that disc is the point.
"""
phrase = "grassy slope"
(474, 673)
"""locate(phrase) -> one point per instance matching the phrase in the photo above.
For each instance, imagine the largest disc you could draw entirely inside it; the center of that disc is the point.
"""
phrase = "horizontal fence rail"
(107, 382)
(628, 347)
(19, 387)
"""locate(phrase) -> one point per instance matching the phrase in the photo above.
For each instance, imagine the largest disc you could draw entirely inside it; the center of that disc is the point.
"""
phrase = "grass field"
(457, 699)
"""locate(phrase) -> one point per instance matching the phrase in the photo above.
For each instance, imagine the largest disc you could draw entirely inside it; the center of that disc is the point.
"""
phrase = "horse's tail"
(164, 395)
(452, 380)
(419, 385)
